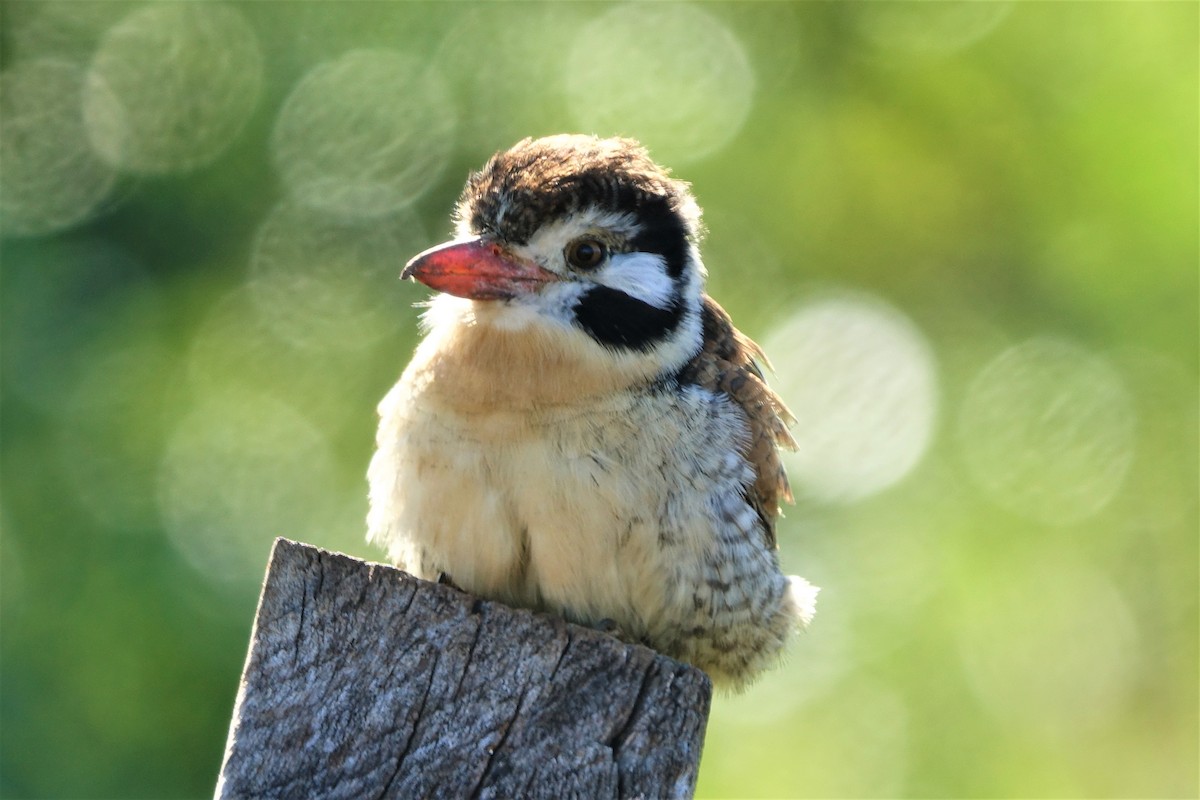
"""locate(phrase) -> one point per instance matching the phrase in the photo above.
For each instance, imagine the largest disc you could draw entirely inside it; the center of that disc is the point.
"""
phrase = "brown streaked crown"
(538, 180)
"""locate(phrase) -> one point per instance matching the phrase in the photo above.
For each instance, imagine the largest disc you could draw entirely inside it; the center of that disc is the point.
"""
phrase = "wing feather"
(728, 363)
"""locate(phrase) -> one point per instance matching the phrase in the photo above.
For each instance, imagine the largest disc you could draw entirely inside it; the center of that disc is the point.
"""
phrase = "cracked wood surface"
(364, 682)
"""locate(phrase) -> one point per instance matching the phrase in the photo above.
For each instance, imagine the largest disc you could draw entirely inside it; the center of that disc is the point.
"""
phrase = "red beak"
(477, 269)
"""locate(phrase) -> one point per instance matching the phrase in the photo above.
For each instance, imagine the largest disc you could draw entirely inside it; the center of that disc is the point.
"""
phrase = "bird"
(581, 429)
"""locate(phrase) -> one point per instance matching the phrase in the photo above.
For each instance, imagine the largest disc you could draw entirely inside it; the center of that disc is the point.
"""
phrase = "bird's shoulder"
(728, 364)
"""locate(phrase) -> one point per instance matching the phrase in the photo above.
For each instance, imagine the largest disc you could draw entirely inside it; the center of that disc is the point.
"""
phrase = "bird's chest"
(566, 509)
(529, 475)
(526, 482)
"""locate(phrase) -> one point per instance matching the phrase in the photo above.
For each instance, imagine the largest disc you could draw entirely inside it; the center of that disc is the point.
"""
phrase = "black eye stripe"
(615, 319)
(662, 231)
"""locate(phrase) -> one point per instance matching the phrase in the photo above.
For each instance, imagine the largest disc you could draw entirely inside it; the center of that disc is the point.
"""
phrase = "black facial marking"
(662, 231)
(615, 319)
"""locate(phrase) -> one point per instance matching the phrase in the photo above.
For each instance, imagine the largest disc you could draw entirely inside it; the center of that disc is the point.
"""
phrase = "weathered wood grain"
(364, 682)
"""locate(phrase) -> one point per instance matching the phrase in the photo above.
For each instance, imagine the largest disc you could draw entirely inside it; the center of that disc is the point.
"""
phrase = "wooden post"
(364, 682)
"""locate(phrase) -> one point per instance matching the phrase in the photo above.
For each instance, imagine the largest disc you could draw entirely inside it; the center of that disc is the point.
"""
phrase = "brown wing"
(727, 363)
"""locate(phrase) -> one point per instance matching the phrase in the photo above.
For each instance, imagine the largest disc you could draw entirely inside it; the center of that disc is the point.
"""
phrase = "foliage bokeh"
(966, 232)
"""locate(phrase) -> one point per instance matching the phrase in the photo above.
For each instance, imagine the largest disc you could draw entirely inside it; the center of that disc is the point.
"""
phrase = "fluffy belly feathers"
(565, 509)
(627, 509)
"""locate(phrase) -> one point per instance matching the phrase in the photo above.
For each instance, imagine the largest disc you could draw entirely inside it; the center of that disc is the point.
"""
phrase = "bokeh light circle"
(671, 75)
(1049, 645)
(862, 382)
(234, 345)
(500, 105)
(109, 441)
(59, 28)
(365, 134)
(920, 27)
(51, 178)
(1047, 431)
(328, 283)
(240, 469)
(171, 86)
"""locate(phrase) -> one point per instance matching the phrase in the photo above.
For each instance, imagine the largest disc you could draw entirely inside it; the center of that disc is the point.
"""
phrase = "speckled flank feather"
(726, 364)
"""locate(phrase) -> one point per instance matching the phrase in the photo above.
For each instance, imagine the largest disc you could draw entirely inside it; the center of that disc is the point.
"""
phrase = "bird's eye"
(586, 253)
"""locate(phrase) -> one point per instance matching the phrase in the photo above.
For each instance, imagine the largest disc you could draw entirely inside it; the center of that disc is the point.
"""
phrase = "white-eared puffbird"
(582, 430)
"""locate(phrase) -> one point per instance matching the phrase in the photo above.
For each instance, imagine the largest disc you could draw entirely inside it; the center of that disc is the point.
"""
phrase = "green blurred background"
(966, 233)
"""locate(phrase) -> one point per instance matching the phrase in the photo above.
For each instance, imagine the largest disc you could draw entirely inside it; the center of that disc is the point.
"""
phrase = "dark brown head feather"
(538, 180)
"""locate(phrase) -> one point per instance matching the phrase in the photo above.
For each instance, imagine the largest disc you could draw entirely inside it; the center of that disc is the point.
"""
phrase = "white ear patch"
(640, 275)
